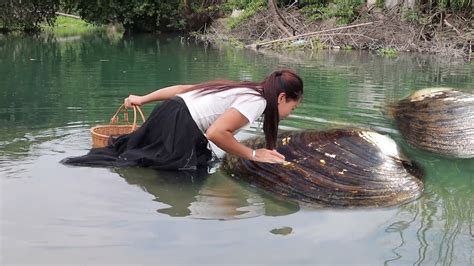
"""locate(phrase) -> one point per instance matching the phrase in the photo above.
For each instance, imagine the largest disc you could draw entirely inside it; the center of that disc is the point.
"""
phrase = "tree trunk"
(187, 7)
(276, 18)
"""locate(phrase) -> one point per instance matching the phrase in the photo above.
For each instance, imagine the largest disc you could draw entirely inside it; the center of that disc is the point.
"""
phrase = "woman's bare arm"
(221, 132)
(158, 95)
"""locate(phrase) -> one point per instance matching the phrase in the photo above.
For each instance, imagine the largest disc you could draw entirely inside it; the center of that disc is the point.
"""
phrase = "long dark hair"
(285, 80)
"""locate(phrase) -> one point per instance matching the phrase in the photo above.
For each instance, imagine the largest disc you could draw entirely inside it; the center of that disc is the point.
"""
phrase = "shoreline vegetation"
(69, 25)
(388, 27)
(388, 32)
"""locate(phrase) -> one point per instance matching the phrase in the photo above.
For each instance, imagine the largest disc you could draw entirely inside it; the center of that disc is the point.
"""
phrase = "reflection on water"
(196, 194)
(441, 220)
(52, 92)
(282, 231)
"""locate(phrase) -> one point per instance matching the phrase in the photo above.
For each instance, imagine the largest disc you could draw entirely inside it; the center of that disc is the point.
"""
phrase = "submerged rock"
(337, 168)
(439, 120)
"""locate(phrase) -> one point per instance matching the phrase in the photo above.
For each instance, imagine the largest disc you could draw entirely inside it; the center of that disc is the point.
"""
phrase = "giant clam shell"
(439, 120)
(338, 168)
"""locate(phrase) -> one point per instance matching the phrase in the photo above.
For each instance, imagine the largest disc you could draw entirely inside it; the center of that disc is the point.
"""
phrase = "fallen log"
(305, 35)
(67, 15)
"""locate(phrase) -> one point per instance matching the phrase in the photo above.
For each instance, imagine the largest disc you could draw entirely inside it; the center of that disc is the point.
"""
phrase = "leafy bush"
(344, 10)
(251, 9)
(65, 26)
(452, 5)
(135, 15)
(388, 52)
(379, 3)
(27, 15)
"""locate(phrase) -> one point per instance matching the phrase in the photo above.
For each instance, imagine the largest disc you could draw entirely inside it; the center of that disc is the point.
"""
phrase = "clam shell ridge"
(337, 168)
(439, 120)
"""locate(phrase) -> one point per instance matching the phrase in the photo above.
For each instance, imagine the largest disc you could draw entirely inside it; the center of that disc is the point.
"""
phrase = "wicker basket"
(102, 133)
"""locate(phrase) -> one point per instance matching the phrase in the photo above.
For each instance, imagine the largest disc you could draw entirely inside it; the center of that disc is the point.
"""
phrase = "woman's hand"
(221, 133)
(132, 100)
(268, 156)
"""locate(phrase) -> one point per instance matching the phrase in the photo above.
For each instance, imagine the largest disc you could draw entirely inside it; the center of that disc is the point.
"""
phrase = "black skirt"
(169, 139)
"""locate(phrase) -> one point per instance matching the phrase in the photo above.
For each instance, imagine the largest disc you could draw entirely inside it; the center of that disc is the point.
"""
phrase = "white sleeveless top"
(205, 109)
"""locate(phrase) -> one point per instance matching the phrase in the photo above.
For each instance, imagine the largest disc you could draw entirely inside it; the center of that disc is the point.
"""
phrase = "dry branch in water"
(310, 34)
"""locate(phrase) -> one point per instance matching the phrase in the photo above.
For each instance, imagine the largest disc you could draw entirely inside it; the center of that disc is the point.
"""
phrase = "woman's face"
(286, 106)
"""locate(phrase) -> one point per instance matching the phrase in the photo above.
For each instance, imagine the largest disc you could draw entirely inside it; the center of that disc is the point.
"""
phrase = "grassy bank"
(66, 26)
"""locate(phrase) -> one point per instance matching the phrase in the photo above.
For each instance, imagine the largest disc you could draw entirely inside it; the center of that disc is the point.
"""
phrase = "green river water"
(52, 90)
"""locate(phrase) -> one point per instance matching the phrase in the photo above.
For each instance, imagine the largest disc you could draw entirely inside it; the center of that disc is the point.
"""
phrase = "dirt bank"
(390, 30)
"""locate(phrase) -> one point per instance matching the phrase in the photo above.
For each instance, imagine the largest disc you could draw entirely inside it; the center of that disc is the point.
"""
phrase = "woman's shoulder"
(229, 96)
(243, 91)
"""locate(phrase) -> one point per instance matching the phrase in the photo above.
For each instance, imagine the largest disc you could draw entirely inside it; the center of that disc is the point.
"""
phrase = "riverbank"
(69, 25)
(386, 31)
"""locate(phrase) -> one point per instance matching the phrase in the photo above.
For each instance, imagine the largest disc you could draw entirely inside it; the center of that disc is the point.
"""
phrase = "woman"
(176, 134)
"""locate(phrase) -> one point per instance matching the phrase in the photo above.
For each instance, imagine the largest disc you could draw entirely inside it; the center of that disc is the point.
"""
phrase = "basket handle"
(115, 118)
(135, 108)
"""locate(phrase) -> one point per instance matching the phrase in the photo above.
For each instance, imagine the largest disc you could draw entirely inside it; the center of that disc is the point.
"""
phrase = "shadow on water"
(197, 194)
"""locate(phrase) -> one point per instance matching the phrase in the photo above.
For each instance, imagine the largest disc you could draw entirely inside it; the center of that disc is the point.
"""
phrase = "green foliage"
(237, 4)
(250, 9)
(448, 6)
(304, 3)
(388, 52)
(171, 15)
(411, 15)
(346, 47)
(379, 3)
(316, 44)
(344, 10)
(27, 15)
(65, 26)
(135, 15)
(451, 6)
(313, 11)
